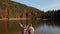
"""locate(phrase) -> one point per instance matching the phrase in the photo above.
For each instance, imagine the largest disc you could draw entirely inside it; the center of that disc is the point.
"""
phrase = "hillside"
(13, 9)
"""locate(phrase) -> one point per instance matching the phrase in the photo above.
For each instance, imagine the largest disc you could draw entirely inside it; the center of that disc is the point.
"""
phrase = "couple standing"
(27, 29)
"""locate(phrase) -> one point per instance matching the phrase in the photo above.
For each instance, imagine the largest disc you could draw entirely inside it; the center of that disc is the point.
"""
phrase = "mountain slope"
(15, 10)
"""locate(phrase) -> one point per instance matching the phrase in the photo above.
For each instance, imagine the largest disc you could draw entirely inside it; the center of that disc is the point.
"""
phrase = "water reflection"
(41, 27)
(45, 29)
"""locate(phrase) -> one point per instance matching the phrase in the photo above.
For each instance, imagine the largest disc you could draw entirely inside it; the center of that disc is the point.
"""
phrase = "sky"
(44, 5)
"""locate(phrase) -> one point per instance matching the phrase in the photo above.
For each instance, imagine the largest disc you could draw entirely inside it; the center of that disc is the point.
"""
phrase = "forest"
(11, 9)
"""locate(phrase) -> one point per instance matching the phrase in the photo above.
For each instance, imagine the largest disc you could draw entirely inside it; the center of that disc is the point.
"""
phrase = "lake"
(41, 27)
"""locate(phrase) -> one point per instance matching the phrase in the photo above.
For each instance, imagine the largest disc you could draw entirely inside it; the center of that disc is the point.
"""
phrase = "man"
(30, 29)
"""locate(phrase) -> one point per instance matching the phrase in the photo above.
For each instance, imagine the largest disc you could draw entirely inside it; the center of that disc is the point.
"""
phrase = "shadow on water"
(41, 27)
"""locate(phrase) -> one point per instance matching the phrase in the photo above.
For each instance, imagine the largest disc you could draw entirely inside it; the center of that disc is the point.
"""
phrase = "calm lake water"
(41, 27)
(49, 27)
(45, 29)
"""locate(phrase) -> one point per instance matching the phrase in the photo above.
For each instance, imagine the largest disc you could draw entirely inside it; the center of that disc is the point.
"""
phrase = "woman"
(24, 28)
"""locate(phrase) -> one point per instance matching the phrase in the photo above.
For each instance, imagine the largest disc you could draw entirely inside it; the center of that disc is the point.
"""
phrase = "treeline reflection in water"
(41, 27)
